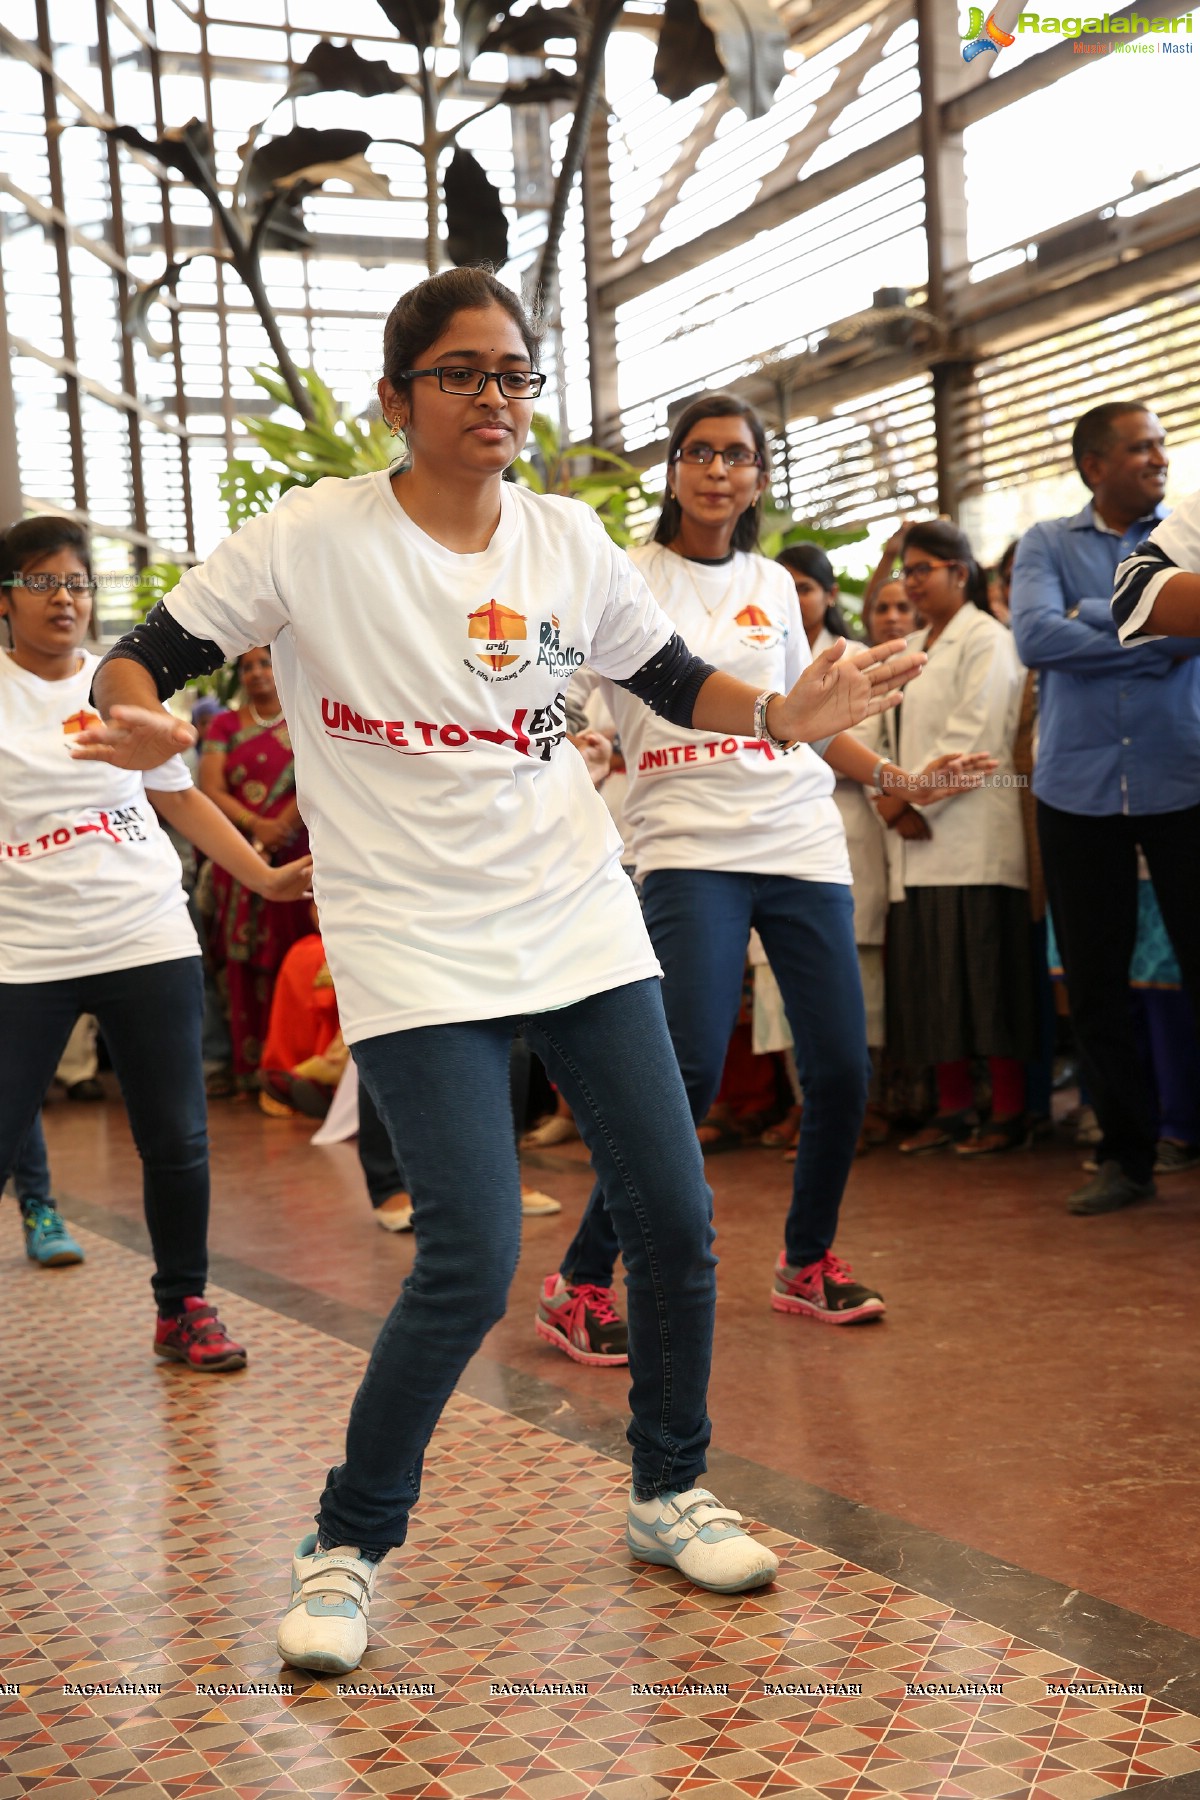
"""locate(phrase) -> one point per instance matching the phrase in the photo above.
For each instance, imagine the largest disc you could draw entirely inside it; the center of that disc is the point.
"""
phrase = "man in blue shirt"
(1118, 766)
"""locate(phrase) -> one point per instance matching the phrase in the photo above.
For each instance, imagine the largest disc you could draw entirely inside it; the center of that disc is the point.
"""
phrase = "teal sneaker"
(704, 1540)
(47, 1240)
(325, 1625)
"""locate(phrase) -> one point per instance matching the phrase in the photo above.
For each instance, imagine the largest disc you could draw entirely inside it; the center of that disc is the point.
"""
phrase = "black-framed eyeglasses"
(453, 378)
(49, 584)
(737, 456)
(922, 571)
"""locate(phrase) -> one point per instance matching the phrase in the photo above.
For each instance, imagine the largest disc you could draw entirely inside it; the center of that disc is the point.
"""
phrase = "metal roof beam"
(776, 205)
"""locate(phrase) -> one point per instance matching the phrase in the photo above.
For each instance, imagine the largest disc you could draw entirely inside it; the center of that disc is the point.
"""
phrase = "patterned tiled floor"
(148, 1516)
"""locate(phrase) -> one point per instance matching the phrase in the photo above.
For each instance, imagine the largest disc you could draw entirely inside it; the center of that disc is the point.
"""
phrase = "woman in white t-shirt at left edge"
(93, 919)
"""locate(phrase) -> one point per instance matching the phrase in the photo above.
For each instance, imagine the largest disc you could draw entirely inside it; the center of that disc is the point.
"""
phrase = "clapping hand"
(948, 775)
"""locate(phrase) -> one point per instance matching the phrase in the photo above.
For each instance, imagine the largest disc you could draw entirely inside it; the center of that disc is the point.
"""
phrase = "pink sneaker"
(825, 1290)
(582, 1322)
(198, 1338)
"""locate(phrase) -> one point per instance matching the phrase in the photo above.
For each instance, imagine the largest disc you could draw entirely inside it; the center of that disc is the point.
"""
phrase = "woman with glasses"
(469, 881)
(959, 973)
(93, 919)
(728, 832)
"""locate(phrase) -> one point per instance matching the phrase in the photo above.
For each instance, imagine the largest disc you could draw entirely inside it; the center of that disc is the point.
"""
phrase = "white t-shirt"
(88, 879)
(465, 866)
(698, 801)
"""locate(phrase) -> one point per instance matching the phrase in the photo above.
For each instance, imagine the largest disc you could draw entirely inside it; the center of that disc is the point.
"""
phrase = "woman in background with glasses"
(959, 972)
(729, 832)
(93, 919)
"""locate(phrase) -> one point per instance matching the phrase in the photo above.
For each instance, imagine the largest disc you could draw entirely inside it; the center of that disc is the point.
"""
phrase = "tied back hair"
(937, 537)
(811, 560)
(419, 317)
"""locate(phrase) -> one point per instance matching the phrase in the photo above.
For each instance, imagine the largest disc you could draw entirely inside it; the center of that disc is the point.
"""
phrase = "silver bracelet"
(761, 729)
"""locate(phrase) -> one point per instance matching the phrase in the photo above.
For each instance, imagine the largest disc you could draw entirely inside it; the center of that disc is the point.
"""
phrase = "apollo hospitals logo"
(553, 654)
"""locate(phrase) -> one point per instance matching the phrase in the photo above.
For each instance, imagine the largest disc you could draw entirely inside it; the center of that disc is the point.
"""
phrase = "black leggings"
(150, 1017)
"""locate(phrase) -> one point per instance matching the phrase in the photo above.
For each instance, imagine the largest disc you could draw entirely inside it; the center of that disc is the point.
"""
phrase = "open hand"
(136, 737)
(841, 687)
(948, 775)
(291, 881)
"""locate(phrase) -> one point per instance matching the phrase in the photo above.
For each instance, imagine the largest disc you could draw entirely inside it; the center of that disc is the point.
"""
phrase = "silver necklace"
(258, 718)
(721, 598)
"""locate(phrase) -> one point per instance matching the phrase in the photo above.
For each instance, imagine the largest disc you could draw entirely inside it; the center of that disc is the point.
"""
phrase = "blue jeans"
(699, 922)
(383, 1175)
(443, 1092)
(30, 1173)
(150, 1017)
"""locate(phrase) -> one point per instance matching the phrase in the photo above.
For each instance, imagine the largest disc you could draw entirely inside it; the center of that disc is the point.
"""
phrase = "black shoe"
(91, 1089)
(1108, 1191)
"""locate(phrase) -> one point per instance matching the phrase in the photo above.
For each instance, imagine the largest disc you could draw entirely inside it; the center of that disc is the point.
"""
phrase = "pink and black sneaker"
(583, 1322)
(198, 1338)
(825, 1290)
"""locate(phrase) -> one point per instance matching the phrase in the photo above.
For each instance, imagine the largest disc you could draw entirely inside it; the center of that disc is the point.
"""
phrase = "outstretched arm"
(842, 687)
(138, 732)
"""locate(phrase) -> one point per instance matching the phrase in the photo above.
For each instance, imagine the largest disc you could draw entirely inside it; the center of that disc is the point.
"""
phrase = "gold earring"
(396, 427)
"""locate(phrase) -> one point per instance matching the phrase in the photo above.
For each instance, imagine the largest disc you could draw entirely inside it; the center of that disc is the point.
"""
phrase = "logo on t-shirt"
(80, 721)
(500, 627)
(757, 628)
(553, 654)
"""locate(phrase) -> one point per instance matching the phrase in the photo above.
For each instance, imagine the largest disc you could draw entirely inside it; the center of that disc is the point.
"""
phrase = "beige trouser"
(79, 1060)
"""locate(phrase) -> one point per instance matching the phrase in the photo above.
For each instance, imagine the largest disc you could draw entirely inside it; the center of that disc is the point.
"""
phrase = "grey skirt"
(960, 975)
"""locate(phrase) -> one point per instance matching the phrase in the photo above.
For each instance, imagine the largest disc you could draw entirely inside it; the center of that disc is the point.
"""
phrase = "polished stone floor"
(989, 1490)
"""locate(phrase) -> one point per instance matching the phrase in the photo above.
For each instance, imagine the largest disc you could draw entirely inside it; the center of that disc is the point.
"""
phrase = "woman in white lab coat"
(959, 981)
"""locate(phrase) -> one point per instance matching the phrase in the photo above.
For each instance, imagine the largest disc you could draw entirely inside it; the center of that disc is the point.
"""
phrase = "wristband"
(877, 774)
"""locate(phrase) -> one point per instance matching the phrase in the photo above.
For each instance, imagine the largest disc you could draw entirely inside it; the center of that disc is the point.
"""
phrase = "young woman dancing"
(469, 881)
(93, 919)
(728, 832)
